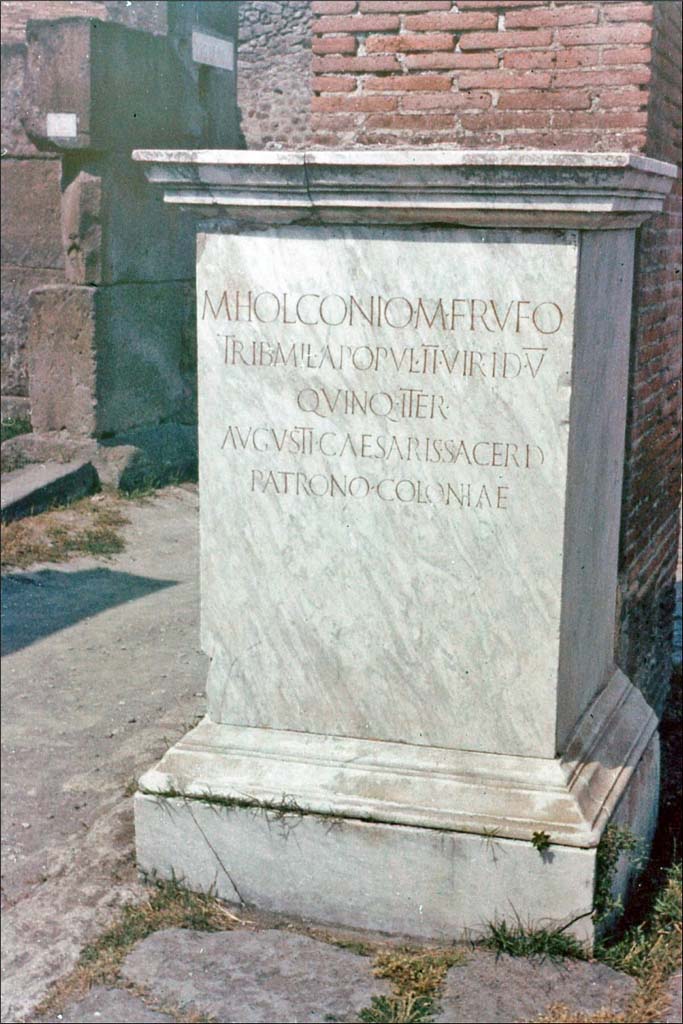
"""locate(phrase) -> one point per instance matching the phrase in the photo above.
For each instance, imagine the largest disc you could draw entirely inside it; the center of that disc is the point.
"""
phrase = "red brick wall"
(601, 75)
(481, 73)
(650, 528)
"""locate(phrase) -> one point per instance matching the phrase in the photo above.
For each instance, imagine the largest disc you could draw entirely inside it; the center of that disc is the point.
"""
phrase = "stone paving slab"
(35, 488)
(675, 991)
(505, 990)
(272, 975)
(263, 977)
(108, 1006)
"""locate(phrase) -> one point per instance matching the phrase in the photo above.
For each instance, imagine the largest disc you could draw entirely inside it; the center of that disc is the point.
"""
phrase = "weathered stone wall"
(98, 334)
(274, 82)
(31, 247)
(149, 15)
(31, 251)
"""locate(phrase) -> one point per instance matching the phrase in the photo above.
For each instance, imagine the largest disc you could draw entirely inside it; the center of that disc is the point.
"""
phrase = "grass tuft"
(655, 944)
(525, 940)
(416, 972)
(399, 1010)
(168, 906)
(416, 976)
(90, 526)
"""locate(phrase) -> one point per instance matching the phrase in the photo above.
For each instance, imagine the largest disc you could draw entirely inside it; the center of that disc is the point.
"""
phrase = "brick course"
(531, 55)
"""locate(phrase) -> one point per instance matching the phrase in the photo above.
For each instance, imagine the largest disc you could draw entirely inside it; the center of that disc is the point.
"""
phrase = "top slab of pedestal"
(481, 188)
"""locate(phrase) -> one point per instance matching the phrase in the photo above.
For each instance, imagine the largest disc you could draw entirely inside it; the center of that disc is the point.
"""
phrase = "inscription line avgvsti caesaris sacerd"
(438, 362)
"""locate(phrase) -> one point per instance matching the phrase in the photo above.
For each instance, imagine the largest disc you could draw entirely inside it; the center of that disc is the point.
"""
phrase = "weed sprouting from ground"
(615, 842)
(528, 941)
(399, 1010)
(651, 952)
(90, 526)
(416, 976)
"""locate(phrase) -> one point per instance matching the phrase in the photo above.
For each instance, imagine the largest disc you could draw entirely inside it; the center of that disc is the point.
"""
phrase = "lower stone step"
(39, 486)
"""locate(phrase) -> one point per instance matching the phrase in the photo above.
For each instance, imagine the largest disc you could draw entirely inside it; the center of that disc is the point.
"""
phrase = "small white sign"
(62, 126)
(216, 51)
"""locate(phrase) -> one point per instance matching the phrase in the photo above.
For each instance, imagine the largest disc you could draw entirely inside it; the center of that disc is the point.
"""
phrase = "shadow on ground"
(36, 604)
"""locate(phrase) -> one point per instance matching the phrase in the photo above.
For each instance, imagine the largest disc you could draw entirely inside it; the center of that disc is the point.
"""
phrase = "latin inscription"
(476, 341)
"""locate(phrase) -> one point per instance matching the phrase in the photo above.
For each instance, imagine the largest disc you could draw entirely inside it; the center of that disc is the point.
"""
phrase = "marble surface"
(569, 798)
(410, 460)
(215, 813)
(382, 584)
(595, 472)
(390, 878)
(495, 188)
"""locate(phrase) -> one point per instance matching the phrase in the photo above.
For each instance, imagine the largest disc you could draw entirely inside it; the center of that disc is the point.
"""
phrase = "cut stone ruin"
(412, 399)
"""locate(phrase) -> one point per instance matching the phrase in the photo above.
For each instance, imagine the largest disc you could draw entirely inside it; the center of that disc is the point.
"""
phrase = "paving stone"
(504, 990)
(252, 977)
(37, 487)
(109, 1006)
(674, 1013)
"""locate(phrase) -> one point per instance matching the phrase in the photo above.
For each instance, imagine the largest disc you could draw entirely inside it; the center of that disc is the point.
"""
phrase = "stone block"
(144, 334)
(34, 488)
(204, 37)
(58, 447)
(137, 458)
(254, 977)
(13, 137)
(16, 285)
(31, 223)
(81, 226)
(62, 359)
(82, 95)
(500, 988)
(104, 360)
(117, 230)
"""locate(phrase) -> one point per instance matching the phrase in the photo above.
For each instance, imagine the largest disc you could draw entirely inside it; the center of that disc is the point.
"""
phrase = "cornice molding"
(502, 188)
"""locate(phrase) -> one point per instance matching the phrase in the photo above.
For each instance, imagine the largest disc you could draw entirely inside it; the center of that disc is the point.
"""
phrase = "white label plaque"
(62, 126)
(216, 51)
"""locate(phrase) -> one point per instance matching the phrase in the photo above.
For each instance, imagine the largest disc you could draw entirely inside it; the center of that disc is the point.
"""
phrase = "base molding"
(570, 798)
(405, 880)
(414, 841)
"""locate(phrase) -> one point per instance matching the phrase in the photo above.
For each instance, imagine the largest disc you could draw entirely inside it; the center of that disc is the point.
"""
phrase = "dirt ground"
(101, 672)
